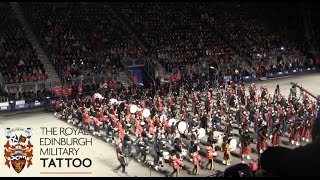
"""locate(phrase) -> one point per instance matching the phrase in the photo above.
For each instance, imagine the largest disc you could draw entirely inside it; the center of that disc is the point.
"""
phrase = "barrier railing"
(89, 80)
(26, 86)
(21, 104)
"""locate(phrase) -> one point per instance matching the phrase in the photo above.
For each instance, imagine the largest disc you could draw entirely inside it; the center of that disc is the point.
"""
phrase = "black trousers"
(141, 151)
(108, 132)
(175, 171)
(144, 154)
(128, 146)
(122, 164)
(210, 162)
(195, 169)
(156, 158)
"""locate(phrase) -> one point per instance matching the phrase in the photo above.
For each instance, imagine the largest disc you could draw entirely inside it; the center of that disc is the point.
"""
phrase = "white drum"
(166, 155)
(233, 145)
(133, 108)
(97, 95)
(201, 133)
(146, 113)
(182, 126)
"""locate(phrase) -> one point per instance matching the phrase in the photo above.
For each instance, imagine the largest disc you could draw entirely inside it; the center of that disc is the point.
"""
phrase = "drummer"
(226, 152)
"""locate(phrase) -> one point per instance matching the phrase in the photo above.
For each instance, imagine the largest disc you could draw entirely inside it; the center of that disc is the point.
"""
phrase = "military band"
(166, 123)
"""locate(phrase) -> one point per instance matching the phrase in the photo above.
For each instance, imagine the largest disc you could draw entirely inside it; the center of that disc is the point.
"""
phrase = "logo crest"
(18, 151)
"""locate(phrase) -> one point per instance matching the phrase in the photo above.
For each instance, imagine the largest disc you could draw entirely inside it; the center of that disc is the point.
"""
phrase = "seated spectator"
(19, 62)
(82, 39)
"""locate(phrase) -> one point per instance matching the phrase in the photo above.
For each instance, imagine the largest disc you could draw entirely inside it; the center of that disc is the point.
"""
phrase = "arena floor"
(102, 154)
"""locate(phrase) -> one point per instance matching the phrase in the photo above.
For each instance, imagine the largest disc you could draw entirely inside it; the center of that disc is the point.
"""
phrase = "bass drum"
(133, 108)
(182, 126)
(233, 145)
(201, 133)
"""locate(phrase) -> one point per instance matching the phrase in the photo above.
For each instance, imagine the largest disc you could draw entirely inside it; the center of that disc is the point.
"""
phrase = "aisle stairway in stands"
(53, 79)
(160, 69)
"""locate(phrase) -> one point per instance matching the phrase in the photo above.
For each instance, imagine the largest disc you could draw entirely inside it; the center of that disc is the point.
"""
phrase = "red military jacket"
(176, 163)
(196, 159)
(210, 151)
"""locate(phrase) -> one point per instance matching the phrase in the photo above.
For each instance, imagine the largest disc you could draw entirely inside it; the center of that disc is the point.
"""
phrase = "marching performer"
(86, 119)
(211, 153)
(254, 166)
(196, 162)
(262, 137)
(96, 126)
(121, 158)
(245, 139)
(121, 131)
(226, 152)
(101, 116)
(176, 165)
(276, 136)
(127, 142)
(158, 148)
(142, 149)
(109, 130)
(306, 131)
(295, 134)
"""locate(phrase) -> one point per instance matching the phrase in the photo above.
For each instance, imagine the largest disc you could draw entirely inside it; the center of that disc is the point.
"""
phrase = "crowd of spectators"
(82, 39)
(251, 39)
(175, 33)
(88, 39)
(181, 34)
(314, 17)
(19, 62)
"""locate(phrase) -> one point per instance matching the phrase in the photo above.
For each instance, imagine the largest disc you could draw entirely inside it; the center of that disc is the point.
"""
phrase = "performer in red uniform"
(306, 131)
(96, 126)
(276, 136)
(294, 134)
(57, 91)
(86, 119)
(101, 116)
(254, 166)
(69, 90)
(64, 91)
(262, 137)
(121, 131)
(196, 162)
(210, 155)
(176, 165)
(139, 129)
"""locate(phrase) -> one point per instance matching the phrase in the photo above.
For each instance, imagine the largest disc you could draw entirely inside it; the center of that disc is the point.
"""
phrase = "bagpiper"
(276, 136)
(245, 139)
